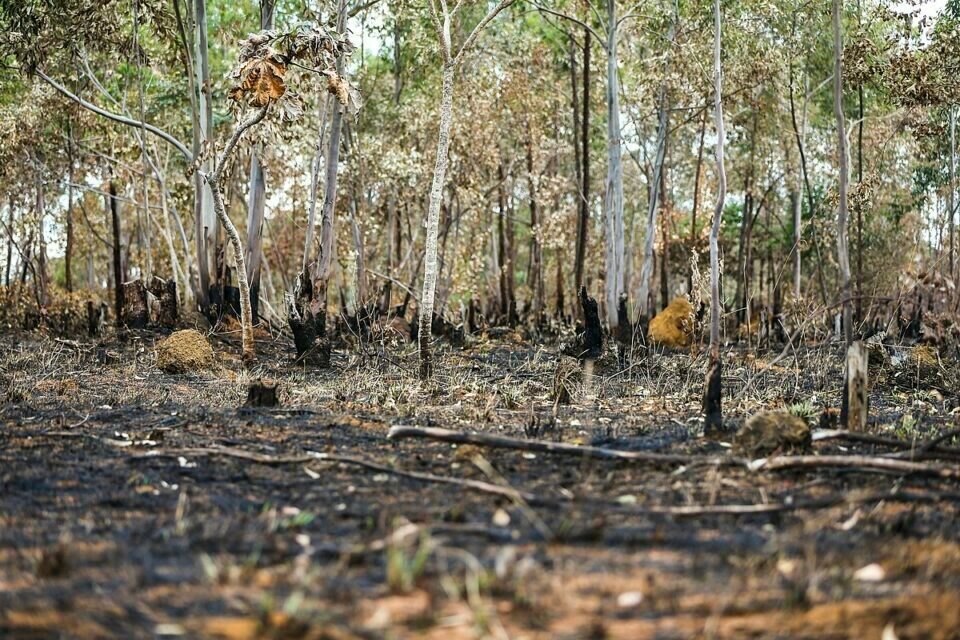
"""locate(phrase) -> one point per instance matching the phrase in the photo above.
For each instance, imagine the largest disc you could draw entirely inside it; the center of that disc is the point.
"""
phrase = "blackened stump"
(263, 393)
(712, 412)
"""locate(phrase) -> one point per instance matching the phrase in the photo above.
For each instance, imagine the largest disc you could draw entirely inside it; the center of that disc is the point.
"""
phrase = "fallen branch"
(557, 448)
(856, 463)
(822, 435)
(260, 458)
(689, 511)
(681, 511)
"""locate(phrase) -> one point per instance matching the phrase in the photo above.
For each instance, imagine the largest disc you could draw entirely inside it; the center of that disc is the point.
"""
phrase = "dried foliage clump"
(673, 326)
(266, 57)
(772, 431)
(184, 352)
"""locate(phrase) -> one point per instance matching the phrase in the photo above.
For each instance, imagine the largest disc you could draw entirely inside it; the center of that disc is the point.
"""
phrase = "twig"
(558, 448)
(934, 442)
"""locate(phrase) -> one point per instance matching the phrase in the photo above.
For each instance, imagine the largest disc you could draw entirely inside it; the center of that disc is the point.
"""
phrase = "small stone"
(629, 599)
(871, 573)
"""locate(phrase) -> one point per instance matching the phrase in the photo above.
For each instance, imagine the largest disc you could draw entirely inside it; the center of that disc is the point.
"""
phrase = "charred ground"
(121, 514)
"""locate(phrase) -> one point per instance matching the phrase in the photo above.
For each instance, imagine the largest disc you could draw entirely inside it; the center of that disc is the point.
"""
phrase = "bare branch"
(503, 4)
(116, 117)
(601, 39)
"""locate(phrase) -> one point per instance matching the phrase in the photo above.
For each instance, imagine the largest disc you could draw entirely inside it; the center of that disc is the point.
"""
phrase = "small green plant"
(804, 410)
(405, 564)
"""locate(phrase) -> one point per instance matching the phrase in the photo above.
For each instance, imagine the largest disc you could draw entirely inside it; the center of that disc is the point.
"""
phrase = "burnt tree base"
(307, 317)
(135, 310)
(588, 344)
(712, 412)
(624, 333)
(165, 312)
(263, 393)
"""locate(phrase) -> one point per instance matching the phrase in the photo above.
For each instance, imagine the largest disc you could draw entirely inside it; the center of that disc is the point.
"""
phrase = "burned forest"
(533, 319)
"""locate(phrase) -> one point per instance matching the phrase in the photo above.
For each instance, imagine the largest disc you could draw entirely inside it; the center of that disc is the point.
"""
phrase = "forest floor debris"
(189, 514)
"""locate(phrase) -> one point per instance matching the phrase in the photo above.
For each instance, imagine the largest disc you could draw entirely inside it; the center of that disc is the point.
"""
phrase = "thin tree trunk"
(214, 182)
(506, 266)
(206, 229)
(696, 198)
(9, 265)
(951, 194)
(258, 187)
(536, 249)
(799, 134)
(665, 245)
(859, 307)
(843, 257)
(663, 124)
(68, 250)
(744, 257)
(433, 222)
(117, 268)
(712, 410)
(613, 197)
(41, 275)
(583, 219)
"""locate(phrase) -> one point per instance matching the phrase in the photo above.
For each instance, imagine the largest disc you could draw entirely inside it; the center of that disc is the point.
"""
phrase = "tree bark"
(9, 265)
(535, 278)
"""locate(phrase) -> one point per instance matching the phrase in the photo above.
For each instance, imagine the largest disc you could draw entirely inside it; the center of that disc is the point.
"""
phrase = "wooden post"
(857, 386)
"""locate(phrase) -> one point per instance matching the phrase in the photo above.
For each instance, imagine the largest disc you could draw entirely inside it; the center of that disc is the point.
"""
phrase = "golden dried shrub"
(673, 326)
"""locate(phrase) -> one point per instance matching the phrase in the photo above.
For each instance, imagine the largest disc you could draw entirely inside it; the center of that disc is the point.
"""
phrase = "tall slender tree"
(442, 17)
(712, 411)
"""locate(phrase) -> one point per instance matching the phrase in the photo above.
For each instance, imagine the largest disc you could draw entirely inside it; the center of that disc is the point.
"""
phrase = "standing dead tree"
(442, 20)
(712, 412)
(307, 305)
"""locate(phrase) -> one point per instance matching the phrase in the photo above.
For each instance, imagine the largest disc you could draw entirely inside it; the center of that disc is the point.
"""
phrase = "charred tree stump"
(263, 393)
(96, 318)
(135, 312)
(165, 291)
(307, 317)
(856, 387)
(588, 345)
(624, 331)
(712, 411)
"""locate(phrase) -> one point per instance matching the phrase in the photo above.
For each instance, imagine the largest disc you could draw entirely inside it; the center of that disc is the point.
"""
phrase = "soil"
(120, 516)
